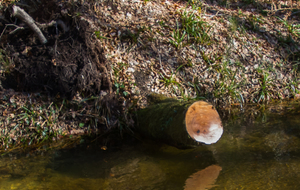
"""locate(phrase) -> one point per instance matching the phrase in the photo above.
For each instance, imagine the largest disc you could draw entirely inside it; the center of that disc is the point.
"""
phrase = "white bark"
(22, 15)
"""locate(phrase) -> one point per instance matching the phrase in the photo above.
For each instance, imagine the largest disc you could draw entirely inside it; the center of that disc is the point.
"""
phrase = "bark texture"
(166, 121)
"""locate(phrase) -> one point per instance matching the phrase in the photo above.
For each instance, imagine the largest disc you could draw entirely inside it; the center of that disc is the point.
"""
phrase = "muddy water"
(257, 151)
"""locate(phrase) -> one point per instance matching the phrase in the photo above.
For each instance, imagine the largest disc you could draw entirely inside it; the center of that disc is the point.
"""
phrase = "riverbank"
(231, 54)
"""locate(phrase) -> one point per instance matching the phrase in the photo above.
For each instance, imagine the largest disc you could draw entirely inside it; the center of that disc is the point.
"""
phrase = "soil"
(70, 62)
(109, 56)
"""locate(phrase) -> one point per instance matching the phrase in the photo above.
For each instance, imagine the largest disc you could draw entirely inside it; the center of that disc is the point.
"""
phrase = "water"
(257, 151)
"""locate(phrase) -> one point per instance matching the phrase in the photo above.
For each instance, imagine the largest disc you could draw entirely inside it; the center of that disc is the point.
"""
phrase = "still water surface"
(256, 152)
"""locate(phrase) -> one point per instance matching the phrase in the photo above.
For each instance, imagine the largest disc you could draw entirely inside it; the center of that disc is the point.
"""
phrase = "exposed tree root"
(22, 15)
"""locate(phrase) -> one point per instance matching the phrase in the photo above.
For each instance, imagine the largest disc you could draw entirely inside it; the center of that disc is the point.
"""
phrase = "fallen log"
(181, 124)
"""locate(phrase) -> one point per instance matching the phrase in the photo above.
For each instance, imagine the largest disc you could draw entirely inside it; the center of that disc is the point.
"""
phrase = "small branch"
(281, 9)
(3, 32)
(53, 23)
(22, 15)
(294, 13)
(15, 30)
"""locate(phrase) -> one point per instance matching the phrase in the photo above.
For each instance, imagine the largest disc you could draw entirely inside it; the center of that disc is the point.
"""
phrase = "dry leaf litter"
(231, 65)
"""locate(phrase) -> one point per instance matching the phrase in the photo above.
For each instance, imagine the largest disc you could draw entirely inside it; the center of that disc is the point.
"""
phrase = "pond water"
(256, 151)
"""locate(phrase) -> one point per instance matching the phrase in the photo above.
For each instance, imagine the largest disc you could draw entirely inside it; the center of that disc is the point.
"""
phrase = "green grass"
(227, 86)
(191, 30)
(176, 86)
(99, 35)
(118, 74)
(38, 123)
(234, 24)
(200, 92)
(293, 29)
(178, 36)
(196, 29)
(196, 4)
(255, 22)
(294, 82)
(265, 92)
(33, 124)
(171, 80)
(6, 63)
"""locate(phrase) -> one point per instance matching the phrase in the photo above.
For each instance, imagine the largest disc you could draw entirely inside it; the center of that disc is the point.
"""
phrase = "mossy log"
(181, 124)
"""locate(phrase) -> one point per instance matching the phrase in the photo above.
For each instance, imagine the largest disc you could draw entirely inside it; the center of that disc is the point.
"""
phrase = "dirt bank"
(102, 58)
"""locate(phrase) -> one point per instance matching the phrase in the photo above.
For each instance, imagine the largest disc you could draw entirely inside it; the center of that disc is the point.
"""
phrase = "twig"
(3, 32)
(294, 13)
(17, 28)
(21, 14)
(281, 9)
(52, 23)
(161, 68)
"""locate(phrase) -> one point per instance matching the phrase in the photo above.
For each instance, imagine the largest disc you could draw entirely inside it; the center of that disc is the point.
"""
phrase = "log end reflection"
(203, 179)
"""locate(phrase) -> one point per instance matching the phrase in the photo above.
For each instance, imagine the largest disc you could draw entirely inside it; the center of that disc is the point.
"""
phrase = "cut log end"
(203, 123)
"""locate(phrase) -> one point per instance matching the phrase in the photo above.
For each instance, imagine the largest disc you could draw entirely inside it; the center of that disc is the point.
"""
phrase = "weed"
(255, 22)
(120, 89)
(192, 30)
(178, 36)
(163, 24)
(118, 72)
(227, 86)
(39, 122)
(99, 35)
(285, 41)
(293, 83)
(171, 80)
(196, 29)
(233, 23)
(133, 36)
(293, 29)
(119, 69)
(196, 4)
(196, 85)
(5, 62)
(210, 59)
(264, 92)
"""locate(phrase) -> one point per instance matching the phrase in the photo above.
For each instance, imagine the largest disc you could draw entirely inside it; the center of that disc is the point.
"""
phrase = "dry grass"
(228, 52)
(227, 49)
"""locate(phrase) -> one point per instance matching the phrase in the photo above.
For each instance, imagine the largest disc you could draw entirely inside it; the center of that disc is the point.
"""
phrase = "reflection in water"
(203, 179)
(281, 143)
(137, 167)
(261, 153)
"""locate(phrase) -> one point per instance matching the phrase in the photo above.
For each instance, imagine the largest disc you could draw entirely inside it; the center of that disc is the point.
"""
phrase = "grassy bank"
(230, 53)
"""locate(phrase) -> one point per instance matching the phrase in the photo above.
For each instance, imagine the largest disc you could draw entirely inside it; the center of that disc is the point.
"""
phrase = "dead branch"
(15, 30)
(12, 32)
(22, 15)
(53, 23)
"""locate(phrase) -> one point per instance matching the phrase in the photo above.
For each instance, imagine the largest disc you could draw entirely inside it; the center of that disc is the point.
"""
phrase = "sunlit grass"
(293, 29)
(264, 93)
(196, 29)
(227, 85)
(190, 30)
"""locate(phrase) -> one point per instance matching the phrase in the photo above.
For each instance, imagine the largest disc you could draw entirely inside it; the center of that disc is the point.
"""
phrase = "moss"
(154, 98)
